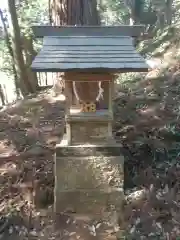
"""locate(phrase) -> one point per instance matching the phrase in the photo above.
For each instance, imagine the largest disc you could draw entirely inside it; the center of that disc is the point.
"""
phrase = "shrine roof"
(102, 52)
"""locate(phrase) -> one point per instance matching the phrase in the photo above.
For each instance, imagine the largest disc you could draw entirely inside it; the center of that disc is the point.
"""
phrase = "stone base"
(82, 133)
(84, 128)
(88, 179)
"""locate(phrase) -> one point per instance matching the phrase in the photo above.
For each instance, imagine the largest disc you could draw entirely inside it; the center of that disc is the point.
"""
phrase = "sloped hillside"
(151, 99)
(146, 110)
(147, 115)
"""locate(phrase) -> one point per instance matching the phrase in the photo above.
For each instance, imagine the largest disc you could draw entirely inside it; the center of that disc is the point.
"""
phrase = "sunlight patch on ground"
(153, 63)
(6, 149)
(8, 86)
(60, 97)
(9, 167)
(136, 195)
(148, 111)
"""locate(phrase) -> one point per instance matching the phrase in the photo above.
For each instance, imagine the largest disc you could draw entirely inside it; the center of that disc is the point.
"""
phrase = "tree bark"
(72, 12)
(2, 97)
(9, 46)
(136, 8)
(29, 55)
(17, 50)
(169, 11)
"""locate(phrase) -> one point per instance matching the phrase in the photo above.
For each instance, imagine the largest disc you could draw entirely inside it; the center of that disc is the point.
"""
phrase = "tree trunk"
(17, 50)
(135, 10)
(2, 97)
(85, 14)
(169, 11)
(130, 5)
(8, 43)
(160, 20)
(29, 55)
(72, 12)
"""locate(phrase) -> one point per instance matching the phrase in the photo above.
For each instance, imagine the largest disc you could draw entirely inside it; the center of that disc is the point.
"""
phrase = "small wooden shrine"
(89, 164)
(90, 58)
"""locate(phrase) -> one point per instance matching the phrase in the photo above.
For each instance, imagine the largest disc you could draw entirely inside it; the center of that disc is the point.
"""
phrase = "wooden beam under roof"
(123, 30)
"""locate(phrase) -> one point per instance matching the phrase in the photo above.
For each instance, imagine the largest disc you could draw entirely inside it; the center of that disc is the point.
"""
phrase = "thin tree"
(135, 9)
(169, 5)
(10, 50)
(29, 55)
(21, 70)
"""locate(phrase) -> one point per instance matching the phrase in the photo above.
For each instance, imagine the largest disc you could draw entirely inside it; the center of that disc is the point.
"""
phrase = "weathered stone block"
(88, 179)
(89, 202)
(89, 172)
(89, 132)
(63, 150)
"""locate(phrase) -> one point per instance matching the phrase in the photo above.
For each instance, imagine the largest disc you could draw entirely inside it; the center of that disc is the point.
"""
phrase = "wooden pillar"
(68, 94)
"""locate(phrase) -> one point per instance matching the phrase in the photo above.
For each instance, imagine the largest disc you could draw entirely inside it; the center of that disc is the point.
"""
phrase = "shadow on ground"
(31, 123)
(147, 123)
(29, 131)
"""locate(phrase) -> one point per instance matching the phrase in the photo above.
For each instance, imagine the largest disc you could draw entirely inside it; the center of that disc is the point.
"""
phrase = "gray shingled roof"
(72, 53)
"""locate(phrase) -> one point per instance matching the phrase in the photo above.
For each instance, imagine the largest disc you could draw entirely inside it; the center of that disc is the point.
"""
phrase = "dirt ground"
(146, 122)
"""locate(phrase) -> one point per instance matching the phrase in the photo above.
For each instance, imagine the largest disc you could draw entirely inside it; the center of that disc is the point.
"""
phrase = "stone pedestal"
(89, 165)
(88, 179)
(86, 128)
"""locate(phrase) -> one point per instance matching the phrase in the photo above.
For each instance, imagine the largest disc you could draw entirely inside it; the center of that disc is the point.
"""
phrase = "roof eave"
(122, 30)
(113, 70)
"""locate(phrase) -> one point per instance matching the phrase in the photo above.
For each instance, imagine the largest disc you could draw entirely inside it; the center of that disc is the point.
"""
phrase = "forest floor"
(146, 111)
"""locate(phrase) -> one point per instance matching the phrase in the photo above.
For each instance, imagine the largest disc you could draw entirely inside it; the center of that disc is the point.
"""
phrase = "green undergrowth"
(162, 41)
